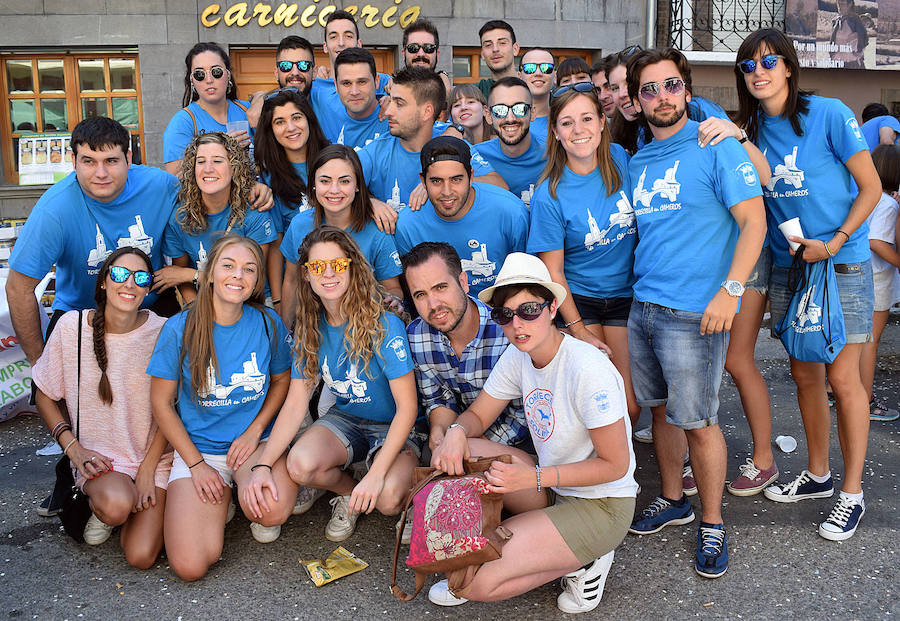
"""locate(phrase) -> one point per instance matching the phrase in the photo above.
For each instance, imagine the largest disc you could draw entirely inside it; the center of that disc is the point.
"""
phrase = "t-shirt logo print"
(137, 237)
(667, 187)
(250, 379)
(748, 172)
(395, 202)
(851, 122)
(623, 217)
(396, 345)
(809, 311)
(201, 258)
(343, 388)
(787, 172)
(479, 264)
(539, 413)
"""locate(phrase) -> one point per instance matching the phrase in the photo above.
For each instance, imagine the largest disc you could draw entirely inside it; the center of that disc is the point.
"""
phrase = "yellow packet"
(339, 563)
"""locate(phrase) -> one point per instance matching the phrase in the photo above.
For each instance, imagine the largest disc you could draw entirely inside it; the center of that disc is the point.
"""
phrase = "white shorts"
(887, 288)
(180, 469)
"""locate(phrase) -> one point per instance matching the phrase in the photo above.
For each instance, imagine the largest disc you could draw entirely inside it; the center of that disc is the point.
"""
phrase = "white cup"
(787, 444)
(791, 227)
(237, 126)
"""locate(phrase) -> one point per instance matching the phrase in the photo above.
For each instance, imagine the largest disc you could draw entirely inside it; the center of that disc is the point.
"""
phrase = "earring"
(193, 91)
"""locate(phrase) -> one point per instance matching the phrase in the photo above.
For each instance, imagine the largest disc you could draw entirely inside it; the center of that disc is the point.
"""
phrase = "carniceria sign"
(239, 14)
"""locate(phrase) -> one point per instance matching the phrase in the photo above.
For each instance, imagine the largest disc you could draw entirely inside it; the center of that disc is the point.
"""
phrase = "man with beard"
(421, 48)
(515, 153)
(701, 226)
(538, 70)
(498, 50)
(454, 343)
(294, 62)
(482, 222)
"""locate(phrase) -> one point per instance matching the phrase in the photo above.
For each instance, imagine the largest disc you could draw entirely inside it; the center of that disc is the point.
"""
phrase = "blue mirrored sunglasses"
(768, 62)
(142, 278)
(581, 87)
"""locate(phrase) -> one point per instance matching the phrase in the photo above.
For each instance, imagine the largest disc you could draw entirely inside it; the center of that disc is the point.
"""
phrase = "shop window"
(469, 67)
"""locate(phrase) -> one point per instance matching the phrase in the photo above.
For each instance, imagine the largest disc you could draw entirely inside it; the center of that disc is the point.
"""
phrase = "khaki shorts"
(591, 527)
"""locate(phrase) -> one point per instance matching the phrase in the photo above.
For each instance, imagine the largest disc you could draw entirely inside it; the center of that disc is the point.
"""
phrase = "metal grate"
(720, 25)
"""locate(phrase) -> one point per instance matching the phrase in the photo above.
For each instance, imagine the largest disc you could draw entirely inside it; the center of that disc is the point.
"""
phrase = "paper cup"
(244, 126)
(791, 227)
(787, 444)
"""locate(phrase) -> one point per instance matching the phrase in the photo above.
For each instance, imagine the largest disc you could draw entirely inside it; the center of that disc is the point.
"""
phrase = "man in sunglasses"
(421, 48)
(498, 50)
(294, 63)
(538, 70)
(701, 226)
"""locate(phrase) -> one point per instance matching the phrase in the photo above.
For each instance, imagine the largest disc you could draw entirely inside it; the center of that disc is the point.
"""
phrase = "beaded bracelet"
(537, 470)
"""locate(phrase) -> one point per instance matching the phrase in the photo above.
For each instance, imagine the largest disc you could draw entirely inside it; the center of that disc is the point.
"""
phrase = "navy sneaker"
(712, 550)
(844, 519)
(661, 513)
(801, 488)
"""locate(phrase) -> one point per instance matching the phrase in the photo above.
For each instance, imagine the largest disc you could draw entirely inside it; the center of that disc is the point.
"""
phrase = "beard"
(661, 121)
(513, 141)
(422, 61)
(304, 88)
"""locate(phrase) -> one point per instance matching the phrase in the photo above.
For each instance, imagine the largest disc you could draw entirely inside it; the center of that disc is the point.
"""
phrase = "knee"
(390, 501)
(142, 556)
(112, 508)
(277, 516)
(189, 569)
(302, 468)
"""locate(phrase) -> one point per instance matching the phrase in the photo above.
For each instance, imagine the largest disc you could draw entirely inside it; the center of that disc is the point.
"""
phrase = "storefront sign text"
(242, 13)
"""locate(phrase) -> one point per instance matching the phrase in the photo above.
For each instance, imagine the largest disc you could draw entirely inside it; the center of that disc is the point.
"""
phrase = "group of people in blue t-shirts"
(355, 286)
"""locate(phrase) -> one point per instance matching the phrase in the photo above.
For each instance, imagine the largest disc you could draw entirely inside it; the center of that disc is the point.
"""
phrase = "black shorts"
(605, 311)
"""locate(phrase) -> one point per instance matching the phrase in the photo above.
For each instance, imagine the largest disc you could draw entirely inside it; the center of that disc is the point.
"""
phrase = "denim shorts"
(363, 437)
(856, 290)
(672, 364)
(759, 275)
(605, 311)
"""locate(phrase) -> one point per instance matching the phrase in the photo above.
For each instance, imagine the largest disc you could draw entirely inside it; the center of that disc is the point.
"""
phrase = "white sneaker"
(306, 498)
(265, 534)
(440, 594)
(407, 529)
(342, 522)
(95, 531)
(584, 588)
(645, 435)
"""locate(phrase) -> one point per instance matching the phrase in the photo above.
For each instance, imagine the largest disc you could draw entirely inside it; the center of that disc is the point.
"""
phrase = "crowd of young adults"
(619, 231)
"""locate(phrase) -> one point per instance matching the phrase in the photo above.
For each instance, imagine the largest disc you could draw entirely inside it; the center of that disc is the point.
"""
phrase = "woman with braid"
(122, 462)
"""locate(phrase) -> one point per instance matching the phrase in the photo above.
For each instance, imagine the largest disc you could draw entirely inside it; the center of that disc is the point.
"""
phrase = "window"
(470, 68)
(53, 92)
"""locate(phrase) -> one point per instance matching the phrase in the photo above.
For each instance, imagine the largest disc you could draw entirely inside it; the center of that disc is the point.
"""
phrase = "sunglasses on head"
(631, 49)
(302, 65)
(428, 48)
(216, 72)
(338, 266)
(119, 274)
(519, 110)
(528, 311)
(650, 90)
(581, 87)
(529, 68)
(768, 62)
(279, 91)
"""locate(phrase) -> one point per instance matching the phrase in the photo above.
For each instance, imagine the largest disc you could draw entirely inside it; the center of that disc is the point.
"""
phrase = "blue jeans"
(363, 437)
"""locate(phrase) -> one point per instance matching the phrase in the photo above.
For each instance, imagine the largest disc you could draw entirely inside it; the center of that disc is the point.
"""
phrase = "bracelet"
(557, 476)
(197, 464)
(537, 470)
(252, 468)
(59, 430)
(828, 250)
(572, 323)
(74, 440)
(274, 301)
(842, 233)
(452, 425)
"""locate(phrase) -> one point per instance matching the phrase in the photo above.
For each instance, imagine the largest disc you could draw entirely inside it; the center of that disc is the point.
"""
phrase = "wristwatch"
(733, 288)
(196, 279)
(743, 136)
(458, 127)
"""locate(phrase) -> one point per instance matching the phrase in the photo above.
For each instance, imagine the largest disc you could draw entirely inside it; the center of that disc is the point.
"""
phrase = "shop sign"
(239, 14)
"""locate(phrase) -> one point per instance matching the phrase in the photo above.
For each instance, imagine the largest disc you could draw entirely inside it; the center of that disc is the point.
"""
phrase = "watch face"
(734, 288)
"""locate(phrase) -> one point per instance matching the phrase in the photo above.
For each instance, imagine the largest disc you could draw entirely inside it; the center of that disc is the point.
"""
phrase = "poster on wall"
(845, 34)
(44, 158)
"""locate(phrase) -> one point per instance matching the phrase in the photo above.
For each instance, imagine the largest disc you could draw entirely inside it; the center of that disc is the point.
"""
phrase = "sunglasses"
(528, 311)
(519, 110)
(119, 274)
(546, 68)
(279, 91)
(581, 87)
(650, 90)
(768, 62)
(631, 49)
(413, 48)
(200, 74)
(338, 266)
(302, 65)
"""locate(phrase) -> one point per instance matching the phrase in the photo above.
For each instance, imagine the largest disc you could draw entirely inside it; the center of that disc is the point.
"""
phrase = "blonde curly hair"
(191, 212)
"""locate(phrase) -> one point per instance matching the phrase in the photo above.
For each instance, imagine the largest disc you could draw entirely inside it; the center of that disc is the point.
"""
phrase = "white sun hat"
(520, 268)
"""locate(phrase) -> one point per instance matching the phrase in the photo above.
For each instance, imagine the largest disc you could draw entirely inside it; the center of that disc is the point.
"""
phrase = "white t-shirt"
(882, 226)
(578, 390)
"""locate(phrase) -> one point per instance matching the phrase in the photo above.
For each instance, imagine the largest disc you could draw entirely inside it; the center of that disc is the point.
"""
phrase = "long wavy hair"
(557, 156)
(198, 344)
(98, 323)
(470, 91)
(748, 105)
(189, 93)
(361, 306)
(361, 207)
(271, 159)
(191, 211)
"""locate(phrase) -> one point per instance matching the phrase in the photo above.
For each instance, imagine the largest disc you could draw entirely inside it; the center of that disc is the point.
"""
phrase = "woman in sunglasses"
(344, 335)
(817, 153)
(121, 459)
(220, 372)
(209, 103)
(216, 180)
(574, 507)
(582, 225)
(468, 108)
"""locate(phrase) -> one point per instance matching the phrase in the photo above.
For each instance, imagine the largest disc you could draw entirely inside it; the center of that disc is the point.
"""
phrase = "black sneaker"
(50, 506)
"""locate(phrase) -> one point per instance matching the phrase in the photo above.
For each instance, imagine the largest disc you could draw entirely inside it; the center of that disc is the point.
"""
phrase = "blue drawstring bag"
(812, 329)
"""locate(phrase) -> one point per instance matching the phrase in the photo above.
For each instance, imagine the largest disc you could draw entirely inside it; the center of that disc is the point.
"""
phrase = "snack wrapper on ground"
(339, 563)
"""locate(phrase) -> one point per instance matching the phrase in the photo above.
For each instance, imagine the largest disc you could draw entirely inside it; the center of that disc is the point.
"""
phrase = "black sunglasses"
(768, 62)
(413, 48)
(279, 91)
(200, 74)
(302, 65)
(119, 274)
(529, 68)
(519, 110)
(581, 87)
(528, 311)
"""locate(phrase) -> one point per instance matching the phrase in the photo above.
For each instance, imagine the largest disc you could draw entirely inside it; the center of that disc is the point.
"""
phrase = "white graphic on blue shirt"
(539, 413)
(201, 257)
(343, 388)
(395, 202)
(250, 379)
(809, 311)
(340, 138)
(667, 187)
(137, 237)
(479, 263)
(854, 126)
(788, 172)
(748, 172)
(527, 194)
(399, 347)
(623, 218)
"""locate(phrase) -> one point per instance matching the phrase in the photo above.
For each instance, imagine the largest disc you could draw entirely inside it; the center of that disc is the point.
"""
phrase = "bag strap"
(420, 578)
(193, 118)
(239, 104)
(78, 390)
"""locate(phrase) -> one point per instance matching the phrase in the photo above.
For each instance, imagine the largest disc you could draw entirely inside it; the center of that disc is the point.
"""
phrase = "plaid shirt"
(447, 381)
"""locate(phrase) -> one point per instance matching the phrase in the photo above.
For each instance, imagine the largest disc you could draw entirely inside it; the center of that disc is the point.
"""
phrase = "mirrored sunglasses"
(581, 87)
(338, 266)
(528, 311)
(302, 65)
(119, 274)
(428, 48)
(519, 110)
(650, 90)
(546, 68)
(216, 72)
(279, 91)
(768, 62)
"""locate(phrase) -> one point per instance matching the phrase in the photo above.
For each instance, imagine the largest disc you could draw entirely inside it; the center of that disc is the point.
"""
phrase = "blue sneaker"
(801, 488)
(712, 550)
(661, 513)
(844, 519)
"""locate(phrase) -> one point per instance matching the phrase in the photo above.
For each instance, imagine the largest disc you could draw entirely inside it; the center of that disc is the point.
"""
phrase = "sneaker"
(50, 506)
(440, 594)
(407, 529)
(752, 480)
(801, 488)
(265, 534)
(584, 588)
(712, 550)
(688, 483)
(231, 511)
(95, 531)
(342, 522)
(830, 398)
(879, 411)
(661, 513)
(844, 519)
(645, 435)
(306, 498)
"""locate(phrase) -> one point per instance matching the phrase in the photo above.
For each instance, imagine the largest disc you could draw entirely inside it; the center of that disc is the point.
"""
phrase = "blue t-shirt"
(377, 246)
(520, 173)
(77, 233)
(341, 128)
(539, 129)
(329, 109)
(362, 392)
(701, 108)
(248, 353)
(495, 226)
(596, 232)
(871, 127)
(686, 234)
(809, 179)
(392, 172)
(283, 214)
(180, 130)
(257, 225)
